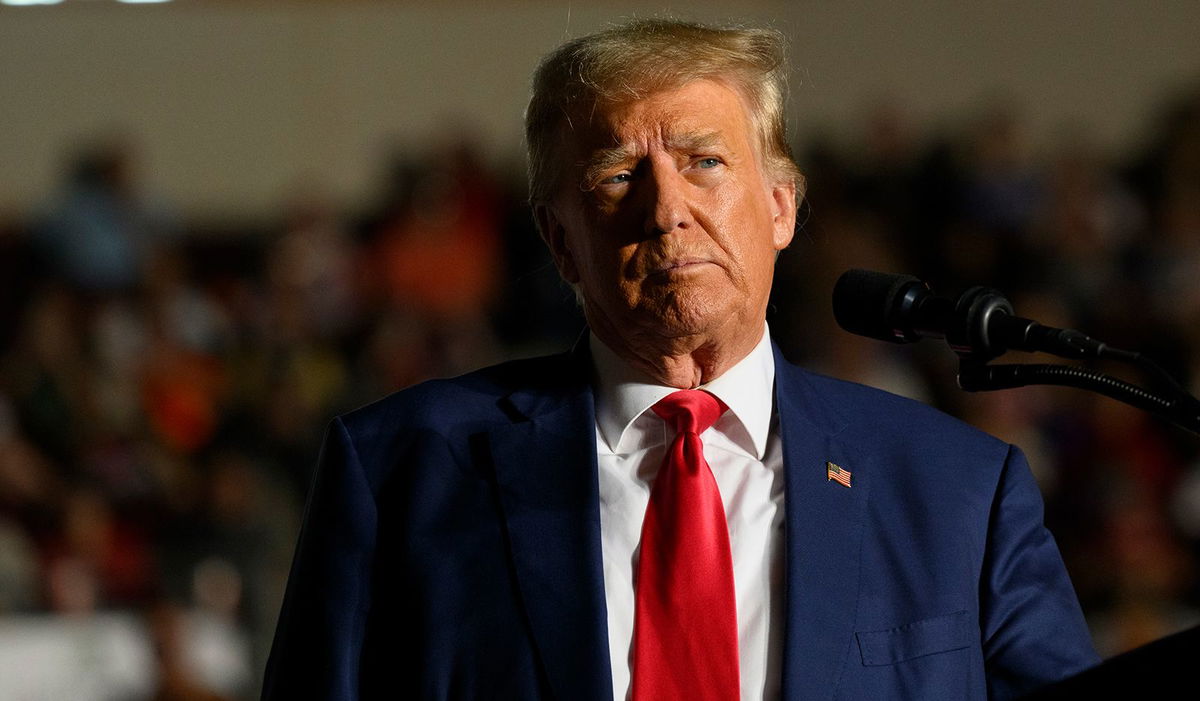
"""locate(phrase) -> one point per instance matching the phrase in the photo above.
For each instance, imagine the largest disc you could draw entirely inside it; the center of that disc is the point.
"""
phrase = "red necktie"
(685, 642)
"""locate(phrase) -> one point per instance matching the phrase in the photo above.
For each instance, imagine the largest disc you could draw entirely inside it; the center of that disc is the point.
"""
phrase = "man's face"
(665, 219)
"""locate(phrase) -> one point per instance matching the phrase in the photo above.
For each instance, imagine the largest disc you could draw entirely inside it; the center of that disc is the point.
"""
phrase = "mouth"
(680, 266)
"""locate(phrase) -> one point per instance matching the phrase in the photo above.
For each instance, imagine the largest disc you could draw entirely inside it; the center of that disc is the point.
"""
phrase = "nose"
(668, 208)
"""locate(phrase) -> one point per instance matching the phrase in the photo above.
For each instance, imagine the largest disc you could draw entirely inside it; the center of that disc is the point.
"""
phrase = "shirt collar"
(624, 393)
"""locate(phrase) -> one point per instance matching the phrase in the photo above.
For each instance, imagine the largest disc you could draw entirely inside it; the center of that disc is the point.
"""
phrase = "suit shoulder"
(886, 416)
(471, 398)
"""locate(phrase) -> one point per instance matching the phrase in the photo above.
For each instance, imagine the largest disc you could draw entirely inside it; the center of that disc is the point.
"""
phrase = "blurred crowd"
(165, 384)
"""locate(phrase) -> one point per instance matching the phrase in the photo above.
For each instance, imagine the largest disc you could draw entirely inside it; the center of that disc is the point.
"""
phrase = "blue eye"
(708, 162)
(617, 179)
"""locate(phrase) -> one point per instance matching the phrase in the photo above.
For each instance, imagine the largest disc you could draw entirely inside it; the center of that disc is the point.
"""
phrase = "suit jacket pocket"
(925, 637)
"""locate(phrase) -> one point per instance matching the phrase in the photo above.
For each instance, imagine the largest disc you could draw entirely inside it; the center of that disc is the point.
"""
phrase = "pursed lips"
(678, 265)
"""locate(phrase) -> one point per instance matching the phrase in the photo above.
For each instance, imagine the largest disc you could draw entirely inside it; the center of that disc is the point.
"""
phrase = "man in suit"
(576, 527)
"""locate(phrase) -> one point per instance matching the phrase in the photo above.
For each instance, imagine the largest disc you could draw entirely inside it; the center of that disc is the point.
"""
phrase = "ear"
(783, 213)
(555, 236)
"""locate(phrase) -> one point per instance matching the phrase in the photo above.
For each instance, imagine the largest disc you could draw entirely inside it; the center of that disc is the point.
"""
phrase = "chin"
(690, 315)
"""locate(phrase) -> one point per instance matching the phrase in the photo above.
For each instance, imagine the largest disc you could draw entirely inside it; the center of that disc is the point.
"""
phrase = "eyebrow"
(604, 159)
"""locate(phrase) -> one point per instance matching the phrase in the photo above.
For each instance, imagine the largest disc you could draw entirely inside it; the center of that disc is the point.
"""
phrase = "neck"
(685, 362)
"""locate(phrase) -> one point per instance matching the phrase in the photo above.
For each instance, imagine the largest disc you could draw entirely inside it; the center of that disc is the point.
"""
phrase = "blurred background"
(223, 222)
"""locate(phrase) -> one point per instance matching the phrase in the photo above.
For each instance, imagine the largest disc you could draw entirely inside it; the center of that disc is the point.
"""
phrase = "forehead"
(701, 107)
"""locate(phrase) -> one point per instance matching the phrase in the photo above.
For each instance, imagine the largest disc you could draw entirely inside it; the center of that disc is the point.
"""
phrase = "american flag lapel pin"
(838, 474)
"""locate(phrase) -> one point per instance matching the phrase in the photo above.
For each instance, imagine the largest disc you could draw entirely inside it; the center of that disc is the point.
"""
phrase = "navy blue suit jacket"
(451, 550)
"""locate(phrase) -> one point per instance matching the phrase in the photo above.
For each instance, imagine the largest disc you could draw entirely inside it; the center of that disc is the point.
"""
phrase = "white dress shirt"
(743, 450)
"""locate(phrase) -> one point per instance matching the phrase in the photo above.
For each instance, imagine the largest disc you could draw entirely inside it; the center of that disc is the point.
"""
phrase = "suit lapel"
(546, 473)
(823, 536)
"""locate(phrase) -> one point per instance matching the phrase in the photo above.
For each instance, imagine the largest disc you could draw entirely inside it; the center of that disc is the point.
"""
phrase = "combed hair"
(633, 60)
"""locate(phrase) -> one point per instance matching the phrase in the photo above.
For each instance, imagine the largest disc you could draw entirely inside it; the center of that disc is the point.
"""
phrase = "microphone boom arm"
(1183, 410)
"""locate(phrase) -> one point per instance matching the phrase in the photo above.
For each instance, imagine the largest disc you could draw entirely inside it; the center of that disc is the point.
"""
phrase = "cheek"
(601, 267)
(748, 229)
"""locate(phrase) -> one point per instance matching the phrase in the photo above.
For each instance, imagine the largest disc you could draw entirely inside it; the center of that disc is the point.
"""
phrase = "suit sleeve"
(319, 638)
(1033, 628)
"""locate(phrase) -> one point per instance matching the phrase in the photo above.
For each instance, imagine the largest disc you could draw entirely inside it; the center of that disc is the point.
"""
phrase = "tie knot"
(691, 410)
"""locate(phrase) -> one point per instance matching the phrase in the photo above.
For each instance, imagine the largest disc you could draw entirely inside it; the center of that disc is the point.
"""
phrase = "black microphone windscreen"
(864, 302)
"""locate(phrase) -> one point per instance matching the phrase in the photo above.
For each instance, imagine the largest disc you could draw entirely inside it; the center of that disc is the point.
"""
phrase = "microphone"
(980, 324)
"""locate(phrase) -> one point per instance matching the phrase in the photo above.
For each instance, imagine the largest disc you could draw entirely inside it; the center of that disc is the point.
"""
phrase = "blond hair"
(633, 60)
